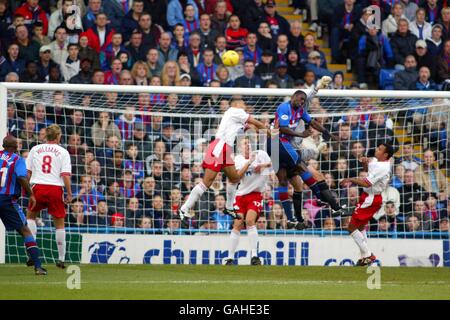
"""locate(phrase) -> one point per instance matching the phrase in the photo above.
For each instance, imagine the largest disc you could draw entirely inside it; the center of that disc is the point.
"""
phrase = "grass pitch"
(224, 282)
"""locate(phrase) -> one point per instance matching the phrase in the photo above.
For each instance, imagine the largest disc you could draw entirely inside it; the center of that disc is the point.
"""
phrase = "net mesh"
(136, 157)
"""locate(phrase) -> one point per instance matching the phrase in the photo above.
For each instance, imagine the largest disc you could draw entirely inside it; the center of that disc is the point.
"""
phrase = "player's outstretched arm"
(358, 181)
(68, 186)
(258, 124)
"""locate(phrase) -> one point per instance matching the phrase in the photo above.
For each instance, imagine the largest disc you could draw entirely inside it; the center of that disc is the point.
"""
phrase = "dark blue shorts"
(288, 157)
(11, 214)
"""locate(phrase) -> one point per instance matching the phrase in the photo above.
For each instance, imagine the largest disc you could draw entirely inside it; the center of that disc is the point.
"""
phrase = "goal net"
(136, 153)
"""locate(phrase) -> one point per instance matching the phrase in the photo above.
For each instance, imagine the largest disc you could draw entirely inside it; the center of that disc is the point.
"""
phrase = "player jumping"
(13, 174)
(287, 118)
(371, 200)
(50, 169)
(255, 171)
(218, 157)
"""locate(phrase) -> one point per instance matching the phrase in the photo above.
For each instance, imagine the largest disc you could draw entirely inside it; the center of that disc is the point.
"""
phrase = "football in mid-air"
(230, 58)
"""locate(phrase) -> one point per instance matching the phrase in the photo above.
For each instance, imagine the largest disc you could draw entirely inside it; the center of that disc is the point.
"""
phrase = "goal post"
(137, 150)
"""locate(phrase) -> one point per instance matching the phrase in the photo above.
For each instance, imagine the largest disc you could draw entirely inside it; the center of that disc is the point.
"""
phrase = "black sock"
(297, 199)
(327, 195)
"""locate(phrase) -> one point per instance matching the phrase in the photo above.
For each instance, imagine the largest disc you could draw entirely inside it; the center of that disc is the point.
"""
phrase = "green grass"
(224, 282)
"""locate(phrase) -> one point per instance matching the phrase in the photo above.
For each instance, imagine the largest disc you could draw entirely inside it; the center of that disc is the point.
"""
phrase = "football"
(230, 58)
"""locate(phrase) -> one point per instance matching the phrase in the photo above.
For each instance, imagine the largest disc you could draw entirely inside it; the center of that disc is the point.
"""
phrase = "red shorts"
(251, 201)
(51, 198)
(218, 163)
(366, 209)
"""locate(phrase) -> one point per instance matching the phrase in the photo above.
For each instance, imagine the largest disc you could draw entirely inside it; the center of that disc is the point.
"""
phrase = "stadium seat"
(387, 79)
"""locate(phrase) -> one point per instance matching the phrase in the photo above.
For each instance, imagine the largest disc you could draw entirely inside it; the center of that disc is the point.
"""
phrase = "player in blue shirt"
(13, 176)
(290, 164)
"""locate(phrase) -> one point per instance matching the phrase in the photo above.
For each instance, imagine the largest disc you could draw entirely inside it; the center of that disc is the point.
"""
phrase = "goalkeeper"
(287, 118)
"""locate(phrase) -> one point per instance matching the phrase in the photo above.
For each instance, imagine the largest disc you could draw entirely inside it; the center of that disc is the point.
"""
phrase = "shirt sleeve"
(239, 162)
(241, 116)
(376, 173)
(29, 161)
(66, 168)
(306, 117)
(21, 168)
(284, 116)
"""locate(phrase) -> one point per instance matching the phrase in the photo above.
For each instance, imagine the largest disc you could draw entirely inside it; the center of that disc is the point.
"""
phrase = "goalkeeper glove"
(323, 82)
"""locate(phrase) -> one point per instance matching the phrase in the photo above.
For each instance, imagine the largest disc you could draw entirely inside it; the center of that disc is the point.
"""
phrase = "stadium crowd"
(127, 172)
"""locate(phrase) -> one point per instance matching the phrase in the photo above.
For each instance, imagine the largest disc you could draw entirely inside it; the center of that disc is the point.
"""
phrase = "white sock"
(32, 226)
(195, 194)
(364, 233)
(61, 243)
(253, 239)
(231, 193)
(234, 237)
(359, 239)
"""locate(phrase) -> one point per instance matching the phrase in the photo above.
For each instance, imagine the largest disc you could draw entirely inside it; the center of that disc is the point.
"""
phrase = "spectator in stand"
(295, 69)
(38, 34)
(408, 160)
(116, 11)
(402, 42)
(224, 221)
(180, 38)
(310, 46)
(194, 50)
(252, 15)
(432, 9)
(151, 33)
(424, 81)
(398, 177)
(118, 220)
(410, 8)
(170, 74)
(84, 76)
(277, 218)
(313, 65)
(28, 48)
(265, 39)
(12, 62)
(445, 22)
(278, 25)
(135, 48)
(410, 191)
(190, 21)
(59, 17)
(15, 123)
(413, 224)
(104, 128)
(128, 185)
(134, 162)
(295, 36)
(338, 81)
(152, 61)
(71, 67)
(76, 214)
(249, 79)
(100, 218)
(87, 52)
(133, 213)
(39, 114)
(30, 74)
(404, 79)
(390, 25)
(429, 177)
(5, 17)
(251, 50)
(266, 68)
(374, 53)
(443, 63)
(145, 223)
(111, 51)
(208, 35)
(113, 76)
(419, 27)
(130, 21)
(207, 69)
(309, 80)
(235, 35)
(219, 18)
(32, 13)
(223, 76)
(45, 62)
(88, 195)
(425, 59)
(175, 10)
(94, 7)
(100, 35)
(378, 132)
(435, 43)
(281, 51)
(344, 20)
(281, 78)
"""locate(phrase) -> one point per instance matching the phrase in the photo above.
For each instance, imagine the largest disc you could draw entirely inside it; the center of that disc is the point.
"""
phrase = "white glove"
(323, 82)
